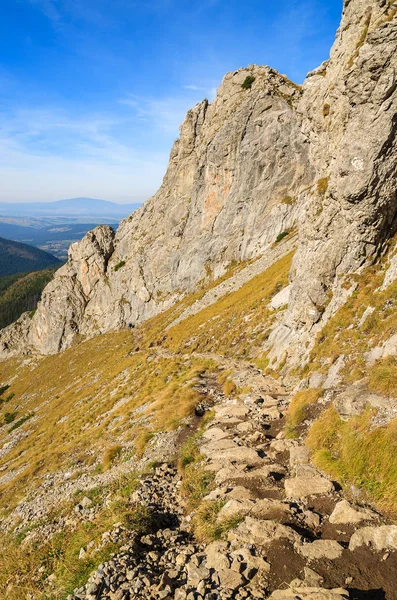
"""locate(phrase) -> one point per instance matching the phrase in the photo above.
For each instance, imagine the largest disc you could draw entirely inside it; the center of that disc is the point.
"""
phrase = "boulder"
(308, 482)
(379, 538)
(320, 549)
(356, 398)
(216, 556)
(281, 299)
(239, 455)
(298, 455)
(211, 449)
(344, 513)
(215, 433)
(262, 533)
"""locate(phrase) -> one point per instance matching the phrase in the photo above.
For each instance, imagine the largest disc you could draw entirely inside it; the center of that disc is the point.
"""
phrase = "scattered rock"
(344, 513)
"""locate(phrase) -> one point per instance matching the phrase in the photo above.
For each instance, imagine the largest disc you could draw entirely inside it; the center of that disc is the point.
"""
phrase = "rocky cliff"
(266, 156)
(348, 114)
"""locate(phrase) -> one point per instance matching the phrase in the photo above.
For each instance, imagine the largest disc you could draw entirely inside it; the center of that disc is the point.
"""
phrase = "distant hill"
(73, 207)
(54, 239)
(21, 292)
(21, 258)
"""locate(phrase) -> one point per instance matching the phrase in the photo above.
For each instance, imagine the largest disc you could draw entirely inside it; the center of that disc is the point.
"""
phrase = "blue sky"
(92, 92)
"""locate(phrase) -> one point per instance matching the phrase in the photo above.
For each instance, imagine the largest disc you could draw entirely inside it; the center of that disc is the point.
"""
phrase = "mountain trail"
(271, 525)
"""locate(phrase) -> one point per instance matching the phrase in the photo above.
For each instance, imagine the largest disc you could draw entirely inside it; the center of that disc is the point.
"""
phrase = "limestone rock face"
(348, 110)
(222, 200)
(61, 312)
(247, 167)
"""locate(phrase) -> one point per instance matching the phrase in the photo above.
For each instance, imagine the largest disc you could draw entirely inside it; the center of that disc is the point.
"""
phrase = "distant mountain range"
(73, 207)
(21, 258)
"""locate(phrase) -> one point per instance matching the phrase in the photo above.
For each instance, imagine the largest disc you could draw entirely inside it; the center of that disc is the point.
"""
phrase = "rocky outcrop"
(348, 110)
(265, 156)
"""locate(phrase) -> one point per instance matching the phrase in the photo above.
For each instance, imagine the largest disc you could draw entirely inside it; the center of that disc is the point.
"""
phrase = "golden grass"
(238, 322)
(297, 410)
(383, 377)
(322, 185)
(360, 42)
(89, 398)
(343, 334)
(229, 387)
(110, 455)
(353, 452)
(207, 525)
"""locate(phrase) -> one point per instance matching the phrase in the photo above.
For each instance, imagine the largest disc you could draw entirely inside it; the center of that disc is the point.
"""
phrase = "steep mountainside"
(21, 258)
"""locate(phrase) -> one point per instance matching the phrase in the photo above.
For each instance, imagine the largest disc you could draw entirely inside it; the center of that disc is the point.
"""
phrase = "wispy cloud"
(50, 8)
(164, 114)
(48, 153)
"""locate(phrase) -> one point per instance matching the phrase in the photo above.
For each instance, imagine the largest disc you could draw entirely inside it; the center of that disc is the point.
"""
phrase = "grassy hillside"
(118, 388)
(21, 292)
(21, 258)
(91, 411)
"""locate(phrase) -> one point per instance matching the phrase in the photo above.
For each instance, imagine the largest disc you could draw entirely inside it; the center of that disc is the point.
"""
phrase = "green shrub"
(3, 389)
(229, 387)
(110, 456)
(354, 452)
(326, 110)
(20, 422)
(298, 409)
(247, 83)
(119, 265)
(383, 376)
(281, 236)
(9, 417)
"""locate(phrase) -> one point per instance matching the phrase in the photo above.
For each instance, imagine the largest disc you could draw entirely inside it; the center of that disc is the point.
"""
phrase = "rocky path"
(294, 535)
